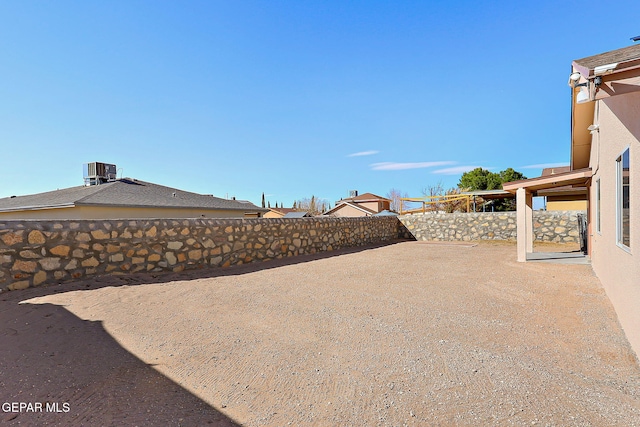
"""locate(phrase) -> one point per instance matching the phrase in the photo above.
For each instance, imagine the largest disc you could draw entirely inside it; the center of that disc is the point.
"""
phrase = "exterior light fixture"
(583, 95)
(574, 78)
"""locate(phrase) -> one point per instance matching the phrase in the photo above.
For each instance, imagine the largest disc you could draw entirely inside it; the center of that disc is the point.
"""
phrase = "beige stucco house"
(366, 204)
(605, 159)
(124, 198)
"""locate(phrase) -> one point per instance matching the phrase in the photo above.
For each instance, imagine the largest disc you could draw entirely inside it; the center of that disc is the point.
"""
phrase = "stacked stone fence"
(36, 252)
(548, 226)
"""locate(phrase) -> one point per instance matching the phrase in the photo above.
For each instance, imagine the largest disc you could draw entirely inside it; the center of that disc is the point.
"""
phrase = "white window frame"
(598, 206)
(619, 200)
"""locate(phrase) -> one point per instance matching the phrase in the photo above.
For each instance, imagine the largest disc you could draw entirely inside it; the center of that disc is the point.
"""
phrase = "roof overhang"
(601, 76)
(575, 177)
(581, 118)
(563, 191)
(38, 208)
(141, 206)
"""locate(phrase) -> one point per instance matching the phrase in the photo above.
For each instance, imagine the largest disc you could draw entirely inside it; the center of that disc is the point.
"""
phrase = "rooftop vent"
(97, 173)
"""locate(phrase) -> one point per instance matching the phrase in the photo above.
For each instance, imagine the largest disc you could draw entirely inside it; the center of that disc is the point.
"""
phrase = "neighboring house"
(278, 212)
(124, 198)
(366, 204)
(605, 159)
(565, 198)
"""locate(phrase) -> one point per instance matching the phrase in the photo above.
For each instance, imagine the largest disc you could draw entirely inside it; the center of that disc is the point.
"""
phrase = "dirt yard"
(405, 334)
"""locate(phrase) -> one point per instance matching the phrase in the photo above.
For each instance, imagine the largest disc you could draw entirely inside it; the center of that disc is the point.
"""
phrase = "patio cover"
(525, 190)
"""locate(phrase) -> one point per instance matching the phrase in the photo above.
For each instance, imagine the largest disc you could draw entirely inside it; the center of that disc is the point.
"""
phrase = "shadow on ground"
(76, 370)
(81, 376)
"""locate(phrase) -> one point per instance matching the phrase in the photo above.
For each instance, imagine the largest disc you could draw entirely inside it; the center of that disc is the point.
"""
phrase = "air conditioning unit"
(353, 193)
(96, 173)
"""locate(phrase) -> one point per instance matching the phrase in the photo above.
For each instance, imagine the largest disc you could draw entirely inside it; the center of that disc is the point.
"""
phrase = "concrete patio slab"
(559, 257)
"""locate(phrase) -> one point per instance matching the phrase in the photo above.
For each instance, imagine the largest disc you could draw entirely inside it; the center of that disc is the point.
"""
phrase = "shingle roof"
(300, 214)
(365, 197)
(555, 170)
(620, 56)
(283, 211)
(124, 192)
(386, 213)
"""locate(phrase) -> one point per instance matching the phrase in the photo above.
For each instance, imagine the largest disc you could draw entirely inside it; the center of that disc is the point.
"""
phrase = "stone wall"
(36, 252)
(548, 226)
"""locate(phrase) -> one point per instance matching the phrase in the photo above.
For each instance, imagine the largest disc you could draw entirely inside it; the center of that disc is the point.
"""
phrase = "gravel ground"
(410, 334)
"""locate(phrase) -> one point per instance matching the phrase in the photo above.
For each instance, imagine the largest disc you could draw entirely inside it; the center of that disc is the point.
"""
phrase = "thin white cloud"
(544, 165)
(456, 170)
(363, 153)
(393, 166)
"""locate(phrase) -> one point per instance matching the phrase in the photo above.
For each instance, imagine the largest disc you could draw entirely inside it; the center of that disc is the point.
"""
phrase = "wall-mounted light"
(574, 78)
(593, 129)
(584, 95)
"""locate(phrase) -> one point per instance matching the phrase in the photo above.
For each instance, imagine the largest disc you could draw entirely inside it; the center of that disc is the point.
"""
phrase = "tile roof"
(124, 192)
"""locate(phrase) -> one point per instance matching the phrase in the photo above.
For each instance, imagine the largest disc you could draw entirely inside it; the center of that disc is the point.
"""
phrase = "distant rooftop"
(126, 192)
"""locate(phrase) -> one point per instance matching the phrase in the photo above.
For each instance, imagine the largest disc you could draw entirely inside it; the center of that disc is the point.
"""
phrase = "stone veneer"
(548, 226)
(35, 252)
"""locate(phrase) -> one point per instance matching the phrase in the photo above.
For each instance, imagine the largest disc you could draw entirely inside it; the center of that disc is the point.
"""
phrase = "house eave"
(135, 206)
(38, 208)
(575, 177)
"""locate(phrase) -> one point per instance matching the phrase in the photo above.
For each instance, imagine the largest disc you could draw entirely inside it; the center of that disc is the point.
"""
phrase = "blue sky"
(291, 98)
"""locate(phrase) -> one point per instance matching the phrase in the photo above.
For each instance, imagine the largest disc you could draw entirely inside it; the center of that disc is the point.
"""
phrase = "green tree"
(509, 175)
(480, 179)
(269, 204)
(263, 199)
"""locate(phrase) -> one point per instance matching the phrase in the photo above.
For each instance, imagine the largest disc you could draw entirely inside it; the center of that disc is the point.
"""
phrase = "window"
(622, 205)
(598, 205)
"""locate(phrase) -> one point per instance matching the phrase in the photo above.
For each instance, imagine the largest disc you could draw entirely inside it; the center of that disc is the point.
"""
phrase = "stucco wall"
(347, 211)
(37, 252)
(566, 205)
(617, 268)
(556, 226)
